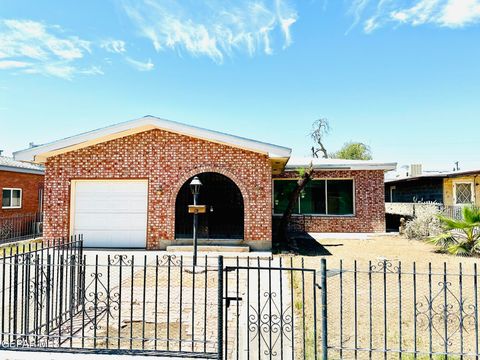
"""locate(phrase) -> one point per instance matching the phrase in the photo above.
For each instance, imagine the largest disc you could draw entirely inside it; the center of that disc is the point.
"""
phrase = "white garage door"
(111, 213)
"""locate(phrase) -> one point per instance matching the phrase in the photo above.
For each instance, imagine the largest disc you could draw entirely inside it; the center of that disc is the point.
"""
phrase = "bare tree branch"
(320, 128)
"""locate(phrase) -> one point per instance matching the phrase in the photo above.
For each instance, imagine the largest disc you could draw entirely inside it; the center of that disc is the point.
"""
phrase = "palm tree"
(461, 237)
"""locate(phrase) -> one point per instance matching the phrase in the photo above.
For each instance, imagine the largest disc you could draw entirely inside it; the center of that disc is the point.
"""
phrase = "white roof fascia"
(273, 151)
(342, 165)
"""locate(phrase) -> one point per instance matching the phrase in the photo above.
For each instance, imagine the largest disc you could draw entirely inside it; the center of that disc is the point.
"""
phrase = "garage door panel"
(111, 213)
(116, 239)
(111, 221)
(102, 202)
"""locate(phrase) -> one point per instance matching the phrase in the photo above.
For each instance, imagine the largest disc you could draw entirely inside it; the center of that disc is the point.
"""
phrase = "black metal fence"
(40, 290)
(58, 296)
(389, 309)
(298, 308)
(20, 227)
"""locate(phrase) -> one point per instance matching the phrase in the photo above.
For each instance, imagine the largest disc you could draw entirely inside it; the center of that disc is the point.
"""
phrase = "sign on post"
(197, 209)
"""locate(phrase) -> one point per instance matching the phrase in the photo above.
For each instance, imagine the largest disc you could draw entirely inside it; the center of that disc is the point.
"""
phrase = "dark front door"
(224, 216)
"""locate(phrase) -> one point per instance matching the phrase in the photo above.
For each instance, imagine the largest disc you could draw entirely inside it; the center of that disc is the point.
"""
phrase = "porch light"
(195, 185)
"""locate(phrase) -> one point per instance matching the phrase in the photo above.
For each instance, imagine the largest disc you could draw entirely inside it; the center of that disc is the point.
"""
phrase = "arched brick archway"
(207, 169)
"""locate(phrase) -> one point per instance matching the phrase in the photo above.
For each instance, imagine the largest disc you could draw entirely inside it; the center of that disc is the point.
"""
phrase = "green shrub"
(460, 237)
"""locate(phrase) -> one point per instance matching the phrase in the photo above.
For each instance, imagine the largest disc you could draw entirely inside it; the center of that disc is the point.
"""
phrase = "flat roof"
(338, 164)
(438, 175)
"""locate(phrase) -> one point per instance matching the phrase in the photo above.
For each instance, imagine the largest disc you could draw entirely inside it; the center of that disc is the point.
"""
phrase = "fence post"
(15, 294)
(220, 308)
(323, 284)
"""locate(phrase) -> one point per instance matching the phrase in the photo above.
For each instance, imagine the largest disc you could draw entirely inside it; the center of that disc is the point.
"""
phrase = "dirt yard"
(378, 247)
(393, 307)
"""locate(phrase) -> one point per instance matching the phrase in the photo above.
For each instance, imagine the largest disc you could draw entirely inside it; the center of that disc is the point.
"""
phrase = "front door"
(224, 218)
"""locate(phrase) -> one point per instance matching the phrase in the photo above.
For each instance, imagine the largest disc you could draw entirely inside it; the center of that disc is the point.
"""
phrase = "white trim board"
(40, 153)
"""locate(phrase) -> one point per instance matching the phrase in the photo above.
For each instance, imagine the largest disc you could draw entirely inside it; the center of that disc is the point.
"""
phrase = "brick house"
(22, 187)
(127, 185)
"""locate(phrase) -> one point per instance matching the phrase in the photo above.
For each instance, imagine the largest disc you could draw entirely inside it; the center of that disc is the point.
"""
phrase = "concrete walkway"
(265, 313)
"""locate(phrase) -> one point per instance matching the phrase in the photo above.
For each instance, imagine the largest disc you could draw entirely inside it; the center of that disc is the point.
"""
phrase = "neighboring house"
(127, 185)
(423, 188)
(462, 188)
(449, 188)
(21, 184)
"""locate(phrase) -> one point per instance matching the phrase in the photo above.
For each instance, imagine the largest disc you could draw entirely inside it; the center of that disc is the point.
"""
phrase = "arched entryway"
(224, 218)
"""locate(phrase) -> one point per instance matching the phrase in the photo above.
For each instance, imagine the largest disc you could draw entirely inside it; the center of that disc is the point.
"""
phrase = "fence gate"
(273, 310)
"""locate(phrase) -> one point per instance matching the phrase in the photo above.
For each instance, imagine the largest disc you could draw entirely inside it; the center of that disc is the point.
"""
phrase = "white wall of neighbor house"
(409, 209)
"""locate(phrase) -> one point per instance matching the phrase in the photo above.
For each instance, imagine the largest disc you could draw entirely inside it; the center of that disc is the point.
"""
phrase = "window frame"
(354, 198)
(393, 189)
(11, 197)
(472, 192)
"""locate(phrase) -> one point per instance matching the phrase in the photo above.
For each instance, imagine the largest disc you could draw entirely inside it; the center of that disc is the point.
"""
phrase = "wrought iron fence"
(40, 290)
(388, 309)
(20, 227)
(59, 297)
(298, 308)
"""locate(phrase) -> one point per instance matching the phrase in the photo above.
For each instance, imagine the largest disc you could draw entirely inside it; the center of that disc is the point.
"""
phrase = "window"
(11, 198)
(463, 193)
(393, 188)
(282, 191)
(319, 197)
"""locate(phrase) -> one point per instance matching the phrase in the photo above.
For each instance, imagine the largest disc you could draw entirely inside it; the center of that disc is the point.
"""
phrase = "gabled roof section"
(338, 164)
(9, 164)
(39, 154)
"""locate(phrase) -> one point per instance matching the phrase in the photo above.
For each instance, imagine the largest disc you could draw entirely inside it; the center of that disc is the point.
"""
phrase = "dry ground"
(385, 266)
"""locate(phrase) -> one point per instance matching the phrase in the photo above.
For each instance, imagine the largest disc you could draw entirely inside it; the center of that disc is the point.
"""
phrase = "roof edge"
(21, 170)
(189, 130)
(346, 166)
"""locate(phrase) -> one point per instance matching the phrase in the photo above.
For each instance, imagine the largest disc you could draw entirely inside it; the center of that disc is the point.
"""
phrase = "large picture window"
(319, 197)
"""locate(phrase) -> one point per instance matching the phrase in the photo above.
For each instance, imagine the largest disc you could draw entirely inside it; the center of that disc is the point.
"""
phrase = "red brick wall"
(369, 204)
(29, 183)
(167, 160)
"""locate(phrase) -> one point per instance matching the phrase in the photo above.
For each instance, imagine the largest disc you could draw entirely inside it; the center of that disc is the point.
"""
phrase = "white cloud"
(114, 46)
(459, 13)
(33, 47)
(442, 13)
(139, 65)
(12, 64)
(214, 28)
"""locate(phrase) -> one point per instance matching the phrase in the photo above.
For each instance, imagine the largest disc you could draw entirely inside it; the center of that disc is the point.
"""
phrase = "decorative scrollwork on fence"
(445, 314)
(384, 266)
(171, 260)
(99, 300)
(270, 323)
(120, 259)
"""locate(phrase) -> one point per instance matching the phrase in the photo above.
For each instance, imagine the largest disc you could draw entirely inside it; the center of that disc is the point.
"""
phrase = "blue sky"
(402, 76)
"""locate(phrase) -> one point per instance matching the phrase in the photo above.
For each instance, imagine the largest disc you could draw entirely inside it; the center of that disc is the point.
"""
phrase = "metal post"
(195, 227)
(220, 309)
(323, 284)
